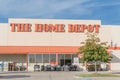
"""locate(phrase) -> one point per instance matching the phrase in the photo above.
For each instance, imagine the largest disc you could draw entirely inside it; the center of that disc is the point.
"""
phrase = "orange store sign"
(15, 27)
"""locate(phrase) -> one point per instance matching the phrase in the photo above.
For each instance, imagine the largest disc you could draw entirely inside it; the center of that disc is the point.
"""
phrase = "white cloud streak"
(48, 8)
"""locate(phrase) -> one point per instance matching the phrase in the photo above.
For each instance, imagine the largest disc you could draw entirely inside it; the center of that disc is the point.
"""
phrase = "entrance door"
(65, 62)
(62, 62)
(64, 59)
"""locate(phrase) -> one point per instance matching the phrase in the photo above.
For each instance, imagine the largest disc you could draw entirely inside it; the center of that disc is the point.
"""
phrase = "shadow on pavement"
(116, 73)
(13, 76)
(13, 72)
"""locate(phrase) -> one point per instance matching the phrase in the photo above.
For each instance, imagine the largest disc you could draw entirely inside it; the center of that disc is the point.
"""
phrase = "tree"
(93, 50)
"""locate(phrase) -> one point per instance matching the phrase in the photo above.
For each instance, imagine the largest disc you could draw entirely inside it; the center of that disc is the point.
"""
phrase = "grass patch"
(98, 75)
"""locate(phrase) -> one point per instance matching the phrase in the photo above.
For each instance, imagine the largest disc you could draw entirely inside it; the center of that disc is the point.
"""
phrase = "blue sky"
(108, 11)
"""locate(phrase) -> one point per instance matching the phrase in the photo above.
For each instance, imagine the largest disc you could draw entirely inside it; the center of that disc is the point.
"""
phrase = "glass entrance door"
(65, 59)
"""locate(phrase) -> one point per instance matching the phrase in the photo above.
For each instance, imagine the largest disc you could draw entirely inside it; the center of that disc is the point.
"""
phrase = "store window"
(73, 56)
(52, 57)
(39, 58)
(46, 58)
(68, 56)
(32, 58)
(61, 58)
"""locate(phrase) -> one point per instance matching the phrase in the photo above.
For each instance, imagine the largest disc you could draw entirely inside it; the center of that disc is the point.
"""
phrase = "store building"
(49, 41)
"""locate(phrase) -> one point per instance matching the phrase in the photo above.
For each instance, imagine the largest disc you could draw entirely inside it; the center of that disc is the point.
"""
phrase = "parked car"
(16, 68)
(42, 68)
(58, 68)
(66, 68)
(71, 67)
(52, 68)
(48, 68)
(36, 68)
(22, 68)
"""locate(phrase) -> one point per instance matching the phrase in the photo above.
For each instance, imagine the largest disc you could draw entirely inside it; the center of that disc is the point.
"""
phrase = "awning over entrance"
(37, 49)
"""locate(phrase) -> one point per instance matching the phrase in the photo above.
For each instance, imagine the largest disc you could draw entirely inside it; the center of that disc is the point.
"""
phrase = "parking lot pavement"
(38, 76)
(46, 76)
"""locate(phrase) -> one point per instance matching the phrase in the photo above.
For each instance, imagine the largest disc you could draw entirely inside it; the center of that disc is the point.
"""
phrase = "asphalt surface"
(48, 76)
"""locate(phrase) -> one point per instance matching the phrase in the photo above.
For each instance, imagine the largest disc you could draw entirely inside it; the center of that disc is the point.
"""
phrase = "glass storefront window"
(48, 58)
(73, 56)
(32, 58)
(67, 56)
(61, 59)
(39, 58)
(52, 57)
(45, 58)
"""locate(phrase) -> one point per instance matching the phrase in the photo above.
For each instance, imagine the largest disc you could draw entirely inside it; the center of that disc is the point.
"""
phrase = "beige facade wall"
(4, 28)
(107, 33)
(47, 38)
(52, 38)
(115, 63)
(115, 31)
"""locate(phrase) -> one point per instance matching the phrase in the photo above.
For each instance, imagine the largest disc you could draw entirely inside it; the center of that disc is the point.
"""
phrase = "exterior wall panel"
(4, 34)
(47, 38)
(115, 63)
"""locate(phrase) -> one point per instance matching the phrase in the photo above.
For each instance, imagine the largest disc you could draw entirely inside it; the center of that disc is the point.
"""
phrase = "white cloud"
(57, 9)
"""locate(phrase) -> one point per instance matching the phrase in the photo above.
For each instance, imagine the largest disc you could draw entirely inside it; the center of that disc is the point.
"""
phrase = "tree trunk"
(86, 66)
(95, 66)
